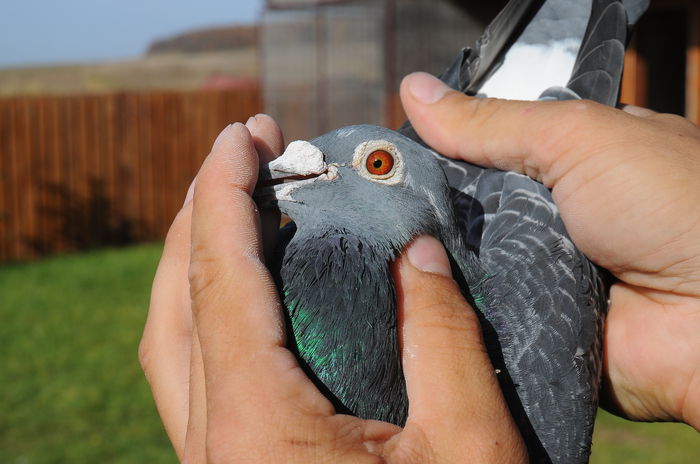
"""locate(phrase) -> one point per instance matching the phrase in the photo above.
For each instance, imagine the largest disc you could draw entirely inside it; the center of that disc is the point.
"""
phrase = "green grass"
(623, 442)
(72, 390)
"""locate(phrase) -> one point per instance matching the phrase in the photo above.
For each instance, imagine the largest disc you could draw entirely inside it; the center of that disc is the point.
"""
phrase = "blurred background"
(107, 109)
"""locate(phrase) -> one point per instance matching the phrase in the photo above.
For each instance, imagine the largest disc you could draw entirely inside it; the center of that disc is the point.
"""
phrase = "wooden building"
(330, 63)
(662, 69)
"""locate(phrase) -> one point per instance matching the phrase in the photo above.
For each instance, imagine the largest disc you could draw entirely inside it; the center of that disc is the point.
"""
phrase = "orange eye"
(379, 163)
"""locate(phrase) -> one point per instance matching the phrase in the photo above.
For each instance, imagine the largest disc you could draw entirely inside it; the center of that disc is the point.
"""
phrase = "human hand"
(627, 185)
(227, 388)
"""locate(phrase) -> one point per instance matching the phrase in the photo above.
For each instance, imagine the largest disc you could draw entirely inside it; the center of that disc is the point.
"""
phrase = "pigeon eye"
(379, 163)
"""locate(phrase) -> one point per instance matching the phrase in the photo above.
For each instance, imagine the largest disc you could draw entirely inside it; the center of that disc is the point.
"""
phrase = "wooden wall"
(85, 171)
(641, 64)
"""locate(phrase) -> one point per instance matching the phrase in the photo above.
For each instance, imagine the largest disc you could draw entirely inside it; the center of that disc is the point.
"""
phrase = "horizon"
(93, 31)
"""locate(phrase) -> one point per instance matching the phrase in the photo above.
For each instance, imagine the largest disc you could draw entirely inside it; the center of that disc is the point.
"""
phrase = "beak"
(300, 164)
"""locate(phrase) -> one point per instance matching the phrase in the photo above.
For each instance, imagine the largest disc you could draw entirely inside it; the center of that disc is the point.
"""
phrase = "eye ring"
(391, 169)
(379, 163)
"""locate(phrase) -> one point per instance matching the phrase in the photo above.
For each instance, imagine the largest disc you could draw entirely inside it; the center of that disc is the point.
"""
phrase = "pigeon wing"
(542, 305)
(598, 71)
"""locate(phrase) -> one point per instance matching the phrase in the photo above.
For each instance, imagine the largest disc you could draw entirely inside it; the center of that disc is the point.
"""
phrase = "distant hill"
(208, 40)
(175, 71)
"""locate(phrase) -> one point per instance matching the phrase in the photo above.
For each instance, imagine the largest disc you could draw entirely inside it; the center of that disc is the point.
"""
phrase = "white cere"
(301, 158)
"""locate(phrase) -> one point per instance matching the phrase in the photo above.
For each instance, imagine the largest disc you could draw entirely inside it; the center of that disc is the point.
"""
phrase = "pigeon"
(358, 195)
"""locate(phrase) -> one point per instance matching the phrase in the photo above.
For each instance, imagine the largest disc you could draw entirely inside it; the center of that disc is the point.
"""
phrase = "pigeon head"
(365, 181)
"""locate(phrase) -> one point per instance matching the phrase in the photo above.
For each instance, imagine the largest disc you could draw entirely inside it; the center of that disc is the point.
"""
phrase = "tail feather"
(598, 70)
(597, 77)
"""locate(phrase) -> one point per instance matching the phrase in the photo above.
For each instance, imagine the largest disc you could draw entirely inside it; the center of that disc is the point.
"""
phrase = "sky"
(37, 32)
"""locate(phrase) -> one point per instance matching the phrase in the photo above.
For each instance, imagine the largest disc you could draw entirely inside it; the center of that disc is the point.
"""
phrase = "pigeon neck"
(341, 303)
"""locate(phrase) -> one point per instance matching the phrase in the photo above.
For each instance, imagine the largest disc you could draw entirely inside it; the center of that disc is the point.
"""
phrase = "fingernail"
(427, 254)
(190, 192)
(251, 120)
(427, 89)
(372, 446)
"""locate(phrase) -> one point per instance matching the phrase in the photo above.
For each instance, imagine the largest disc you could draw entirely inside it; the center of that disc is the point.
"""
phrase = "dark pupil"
(377, 164)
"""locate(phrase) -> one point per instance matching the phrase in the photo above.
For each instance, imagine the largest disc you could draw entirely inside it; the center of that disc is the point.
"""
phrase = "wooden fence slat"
(171, 159)
(692, 93)
(39, 171)
(14, 181)
(55, 203)
(25, 162)
(4, 180)
(127, 133)
(145, 166)
(69, 168)
(634, 77)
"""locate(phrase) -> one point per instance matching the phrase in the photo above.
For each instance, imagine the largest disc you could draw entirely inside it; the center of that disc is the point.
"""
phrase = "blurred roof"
(477, 9)
(300, 3)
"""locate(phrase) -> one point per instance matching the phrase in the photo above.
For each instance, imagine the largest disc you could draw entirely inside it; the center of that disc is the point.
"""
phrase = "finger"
(450, 381)
(164, 350)
(269, 143)
(533, 138)
(638, 111)
(267, 137)
(234, 299)
(195, 443)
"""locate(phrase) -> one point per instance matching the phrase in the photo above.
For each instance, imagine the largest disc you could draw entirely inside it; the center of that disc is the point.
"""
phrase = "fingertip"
(190, 193)
(231, 165)
(226, 136)
(425, 88)
(427, 254)
(267, 137)
(637, 111)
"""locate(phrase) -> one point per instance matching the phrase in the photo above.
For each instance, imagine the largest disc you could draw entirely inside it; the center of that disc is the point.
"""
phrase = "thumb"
(451, 384)
(543, 140)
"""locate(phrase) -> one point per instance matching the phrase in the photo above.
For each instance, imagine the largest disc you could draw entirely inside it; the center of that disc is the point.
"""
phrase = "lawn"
(73, 391)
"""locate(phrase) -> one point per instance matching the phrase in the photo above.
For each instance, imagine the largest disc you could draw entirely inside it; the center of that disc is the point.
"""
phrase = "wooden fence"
(85, 171)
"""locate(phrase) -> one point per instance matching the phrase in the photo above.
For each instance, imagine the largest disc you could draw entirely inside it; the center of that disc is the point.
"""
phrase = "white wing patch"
(530, 69)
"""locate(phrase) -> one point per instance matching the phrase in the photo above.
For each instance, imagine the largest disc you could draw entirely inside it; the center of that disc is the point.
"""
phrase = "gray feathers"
(635, 10)
(557, 20)
(329, 277)
(540, 301)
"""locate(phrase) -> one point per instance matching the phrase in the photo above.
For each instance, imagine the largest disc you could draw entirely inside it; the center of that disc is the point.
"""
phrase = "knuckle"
(144, 352)
(577, 114)
(205, 274)
(482, 111)
(418, 446)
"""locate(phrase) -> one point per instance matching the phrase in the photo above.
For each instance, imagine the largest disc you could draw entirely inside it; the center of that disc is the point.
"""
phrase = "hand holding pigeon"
(651, 337)
(626, 185)
(228, 389)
